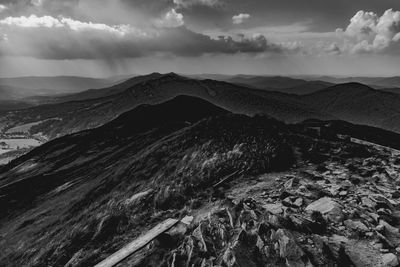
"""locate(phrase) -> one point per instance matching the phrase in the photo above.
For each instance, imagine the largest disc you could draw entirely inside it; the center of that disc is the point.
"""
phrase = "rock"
(390, 259)
(380, 228)
(274, 208)
(356, 226)
(391, 233)
(298, 202)
(187, 220)
(304, 225)
(288, 249)
(328, 207)
(366, 201)
(245, 250)
(396, 194)
(374, 216)
(290, 184)
(293, 202)
(302, 188)
(378, 246)
(369, 234)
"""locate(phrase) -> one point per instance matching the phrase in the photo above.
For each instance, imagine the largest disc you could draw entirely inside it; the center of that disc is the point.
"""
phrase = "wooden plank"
(227, 178)
(137, 244)
(363, 142)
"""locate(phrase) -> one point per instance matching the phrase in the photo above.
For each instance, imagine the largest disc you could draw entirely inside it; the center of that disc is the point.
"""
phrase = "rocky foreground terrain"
(339, 211)
(248, 191)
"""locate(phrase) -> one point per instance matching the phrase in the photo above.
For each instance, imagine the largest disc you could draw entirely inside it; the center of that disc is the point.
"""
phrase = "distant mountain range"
(71, 113)
(30, 86)
(376, 82)
(23, 92)
(53, 120)
(271, 83)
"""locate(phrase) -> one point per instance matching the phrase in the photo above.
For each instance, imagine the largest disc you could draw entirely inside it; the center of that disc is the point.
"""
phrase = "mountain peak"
(181, 109)
(354, 85)
(350, 88)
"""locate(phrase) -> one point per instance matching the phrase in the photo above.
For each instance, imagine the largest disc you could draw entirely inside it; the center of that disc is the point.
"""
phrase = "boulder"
(288, 248)
(274, 208)
(390, 260)
(356, 226)
(328, 208)
(391, 233)
(291, 183)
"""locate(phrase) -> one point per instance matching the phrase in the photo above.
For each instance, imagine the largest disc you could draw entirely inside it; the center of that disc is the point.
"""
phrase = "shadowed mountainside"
(68, 184)
(358, 103)
(280, 84)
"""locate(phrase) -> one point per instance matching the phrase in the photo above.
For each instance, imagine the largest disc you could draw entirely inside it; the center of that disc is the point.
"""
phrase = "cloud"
(190, 3)
(333, 49)
(37, 2)
(369, 33)
(171, 19)
(2, 8)
(239, 19)
(66, 23)
(50, 37)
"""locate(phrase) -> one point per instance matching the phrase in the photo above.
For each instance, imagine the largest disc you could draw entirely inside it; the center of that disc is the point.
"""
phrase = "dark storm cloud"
(62, 38)
(154, 7)
(39, 7)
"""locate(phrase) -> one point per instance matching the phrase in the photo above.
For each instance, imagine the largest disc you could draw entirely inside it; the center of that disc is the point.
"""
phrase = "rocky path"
(342, 212)
(339, 213)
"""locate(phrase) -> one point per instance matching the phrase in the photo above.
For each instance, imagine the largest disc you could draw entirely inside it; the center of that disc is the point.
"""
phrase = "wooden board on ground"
(137, 244)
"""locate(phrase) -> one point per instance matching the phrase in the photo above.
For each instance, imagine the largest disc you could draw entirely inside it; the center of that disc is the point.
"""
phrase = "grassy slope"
(82, 182)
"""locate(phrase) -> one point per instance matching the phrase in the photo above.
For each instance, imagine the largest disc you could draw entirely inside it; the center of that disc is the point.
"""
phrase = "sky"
(100, 38)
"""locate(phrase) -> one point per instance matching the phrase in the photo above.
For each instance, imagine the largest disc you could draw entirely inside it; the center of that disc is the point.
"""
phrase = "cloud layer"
(48, 37)
(273, 31)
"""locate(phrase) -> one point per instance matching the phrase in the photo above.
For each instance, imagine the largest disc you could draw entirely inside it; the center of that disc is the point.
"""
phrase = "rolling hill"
(280, 84)
(56, 85)
(358, 103)
(102, 92)
(23, 92)
(375, 82)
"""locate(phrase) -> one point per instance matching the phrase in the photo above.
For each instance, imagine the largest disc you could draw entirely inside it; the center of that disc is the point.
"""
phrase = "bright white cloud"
(34, 21)
(2, 8)
(171, 19)
(367, 32)
(240, 18)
